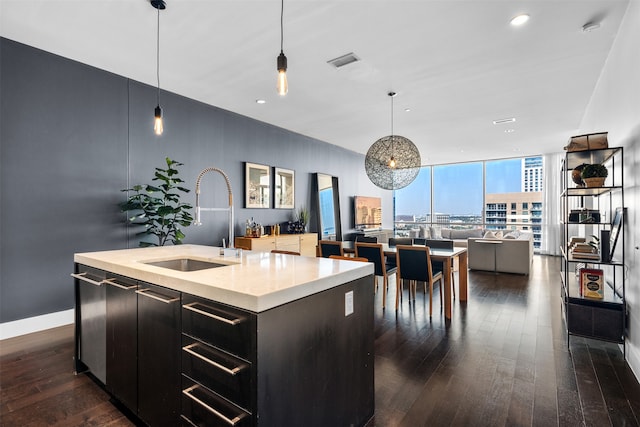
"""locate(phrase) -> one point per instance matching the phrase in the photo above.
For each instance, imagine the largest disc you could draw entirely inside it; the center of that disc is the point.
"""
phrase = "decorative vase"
(596, 181)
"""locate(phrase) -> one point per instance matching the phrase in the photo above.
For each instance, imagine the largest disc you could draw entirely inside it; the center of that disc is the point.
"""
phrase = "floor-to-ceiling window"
(457, 195)
(412, 204)
(494, 195)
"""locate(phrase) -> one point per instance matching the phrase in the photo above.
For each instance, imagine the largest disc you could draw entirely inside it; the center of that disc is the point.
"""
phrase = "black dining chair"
(330, 247)
(414, 265)
(443, 244)
(374, 253)
(366, 239)
(395, 241)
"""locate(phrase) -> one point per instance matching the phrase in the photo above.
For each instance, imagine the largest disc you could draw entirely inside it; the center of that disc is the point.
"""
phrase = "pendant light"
(393, 161)
(282, 86)
(158, 127)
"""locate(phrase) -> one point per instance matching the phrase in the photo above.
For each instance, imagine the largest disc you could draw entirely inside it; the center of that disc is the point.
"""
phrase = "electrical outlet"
(348, 303)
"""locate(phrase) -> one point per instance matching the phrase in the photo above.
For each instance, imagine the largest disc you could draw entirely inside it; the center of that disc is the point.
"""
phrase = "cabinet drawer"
(227, 375)
(202, 407)
(294, 247)
(288, 240)
(224, 327)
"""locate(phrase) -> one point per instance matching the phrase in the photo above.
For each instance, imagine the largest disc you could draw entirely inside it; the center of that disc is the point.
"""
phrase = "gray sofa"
(459, 237)
(504, 255)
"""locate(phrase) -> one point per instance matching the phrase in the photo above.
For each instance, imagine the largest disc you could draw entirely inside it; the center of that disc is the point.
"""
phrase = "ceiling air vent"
(343, 60)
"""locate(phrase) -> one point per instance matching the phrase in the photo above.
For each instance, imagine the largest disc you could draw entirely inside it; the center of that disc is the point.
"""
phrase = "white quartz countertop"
(255, 281)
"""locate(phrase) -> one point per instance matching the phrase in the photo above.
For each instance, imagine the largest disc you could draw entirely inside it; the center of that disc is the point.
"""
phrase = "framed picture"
(257, 186)
(616, 225)
(284, 189)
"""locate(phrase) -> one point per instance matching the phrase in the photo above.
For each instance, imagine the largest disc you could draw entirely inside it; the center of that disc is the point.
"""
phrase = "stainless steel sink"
(185, 264)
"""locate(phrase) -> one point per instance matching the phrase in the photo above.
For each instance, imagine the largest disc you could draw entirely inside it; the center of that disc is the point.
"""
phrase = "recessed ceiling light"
(503, 121)
(519, 19)
(407, 110)
(509, 130)
(260, 101)
(590, 26)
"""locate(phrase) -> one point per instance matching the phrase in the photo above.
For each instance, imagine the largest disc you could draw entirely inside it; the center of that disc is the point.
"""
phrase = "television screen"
(368, 212)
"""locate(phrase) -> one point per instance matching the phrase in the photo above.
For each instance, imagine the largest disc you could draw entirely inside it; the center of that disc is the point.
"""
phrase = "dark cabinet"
(90, 322)
(307, 362)
(158, 355)
(218, 347)
(122, 339)
(177, 359)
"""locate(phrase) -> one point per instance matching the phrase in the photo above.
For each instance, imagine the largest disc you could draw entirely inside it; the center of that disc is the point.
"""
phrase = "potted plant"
(300, 220)
(158, 208)
(594, 175)
(595, 244)
(303, 217)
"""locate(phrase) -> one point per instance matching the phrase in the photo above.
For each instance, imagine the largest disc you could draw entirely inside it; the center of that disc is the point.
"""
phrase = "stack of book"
(584, 251)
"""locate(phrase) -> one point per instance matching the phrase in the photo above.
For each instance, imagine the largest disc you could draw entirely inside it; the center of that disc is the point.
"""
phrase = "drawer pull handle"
(84, 278)
(231, 422)
(164, 300)
(232, 371)
(211, 315)
(118, 285)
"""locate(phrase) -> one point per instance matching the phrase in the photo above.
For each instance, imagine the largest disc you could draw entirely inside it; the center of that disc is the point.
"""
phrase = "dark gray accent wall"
(73, 136)
(63, 145)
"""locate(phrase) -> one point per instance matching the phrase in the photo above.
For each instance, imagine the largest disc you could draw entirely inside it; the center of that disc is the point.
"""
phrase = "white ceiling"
(458, 65)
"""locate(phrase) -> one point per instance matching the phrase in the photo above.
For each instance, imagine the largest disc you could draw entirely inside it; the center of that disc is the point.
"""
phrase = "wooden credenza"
(304, 243)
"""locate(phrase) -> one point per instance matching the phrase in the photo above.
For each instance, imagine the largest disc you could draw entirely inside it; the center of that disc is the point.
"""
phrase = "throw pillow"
(489, 235)
(424, 232)
(498, 234)
(512, 235)
(436, 233)
(446, 233)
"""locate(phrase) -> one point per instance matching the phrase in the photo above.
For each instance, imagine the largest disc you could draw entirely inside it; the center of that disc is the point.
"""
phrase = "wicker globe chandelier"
(393, 161)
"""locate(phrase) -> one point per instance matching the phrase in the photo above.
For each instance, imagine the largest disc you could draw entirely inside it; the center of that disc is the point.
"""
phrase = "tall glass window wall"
(492, 195)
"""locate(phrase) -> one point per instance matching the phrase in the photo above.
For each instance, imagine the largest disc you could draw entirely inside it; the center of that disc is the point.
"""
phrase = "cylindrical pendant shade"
(406, 157)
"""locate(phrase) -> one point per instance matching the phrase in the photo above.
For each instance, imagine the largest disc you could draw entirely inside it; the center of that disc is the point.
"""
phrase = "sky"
(458, 187)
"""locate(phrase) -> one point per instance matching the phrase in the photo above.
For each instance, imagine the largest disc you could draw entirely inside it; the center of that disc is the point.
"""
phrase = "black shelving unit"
(597, 318)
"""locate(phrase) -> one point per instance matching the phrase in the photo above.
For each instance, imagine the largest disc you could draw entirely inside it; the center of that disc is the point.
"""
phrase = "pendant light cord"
(392, 115)
(281, 26)
(158, 57)
(392, 94)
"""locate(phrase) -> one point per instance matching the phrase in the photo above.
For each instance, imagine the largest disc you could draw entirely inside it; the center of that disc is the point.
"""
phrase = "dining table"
(444, 255)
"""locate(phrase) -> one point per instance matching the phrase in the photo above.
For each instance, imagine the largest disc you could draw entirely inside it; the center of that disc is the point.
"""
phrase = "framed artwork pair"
(258, 185)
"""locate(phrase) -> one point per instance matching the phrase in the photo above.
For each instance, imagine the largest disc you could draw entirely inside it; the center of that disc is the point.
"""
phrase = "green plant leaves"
(158, 208)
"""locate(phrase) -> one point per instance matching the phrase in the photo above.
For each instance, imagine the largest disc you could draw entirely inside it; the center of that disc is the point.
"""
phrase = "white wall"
(615, 107)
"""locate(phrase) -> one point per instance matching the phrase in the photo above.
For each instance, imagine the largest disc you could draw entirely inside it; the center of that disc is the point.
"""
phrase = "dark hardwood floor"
(501, 361)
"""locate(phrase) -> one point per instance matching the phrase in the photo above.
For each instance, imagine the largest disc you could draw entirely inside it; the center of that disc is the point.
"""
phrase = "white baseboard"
(633, 360)
(36, 324)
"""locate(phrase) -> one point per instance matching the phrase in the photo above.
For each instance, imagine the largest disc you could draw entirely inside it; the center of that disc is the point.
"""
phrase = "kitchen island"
(255, 339)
